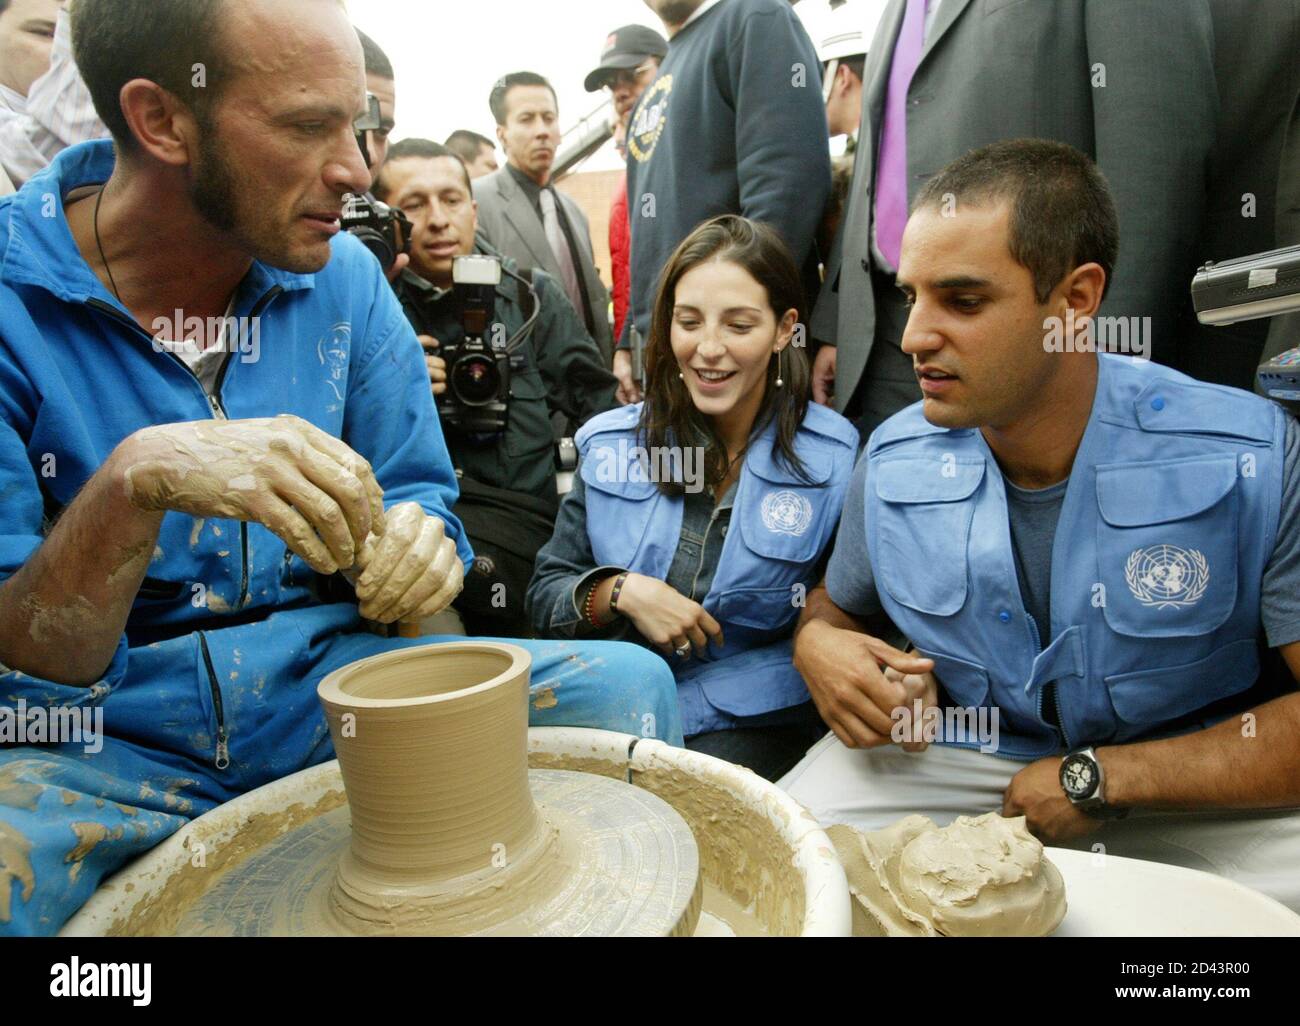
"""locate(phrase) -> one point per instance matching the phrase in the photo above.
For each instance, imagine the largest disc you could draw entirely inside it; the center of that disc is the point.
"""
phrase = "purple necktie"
(891, 167)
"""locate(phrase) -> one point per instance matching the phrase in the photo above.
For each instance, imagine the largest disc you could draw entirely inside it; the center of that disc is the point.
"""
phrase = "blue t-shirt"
(1033, 515)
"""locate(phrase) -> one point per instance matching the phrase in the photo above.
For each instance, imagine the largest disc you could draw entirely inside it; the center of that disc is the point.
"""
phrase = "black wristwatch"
(1084, 784)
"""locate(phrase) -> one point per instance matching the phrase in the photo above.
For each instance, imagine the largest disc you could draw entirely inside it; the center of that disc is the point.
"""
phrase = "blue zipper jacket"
(227, 622)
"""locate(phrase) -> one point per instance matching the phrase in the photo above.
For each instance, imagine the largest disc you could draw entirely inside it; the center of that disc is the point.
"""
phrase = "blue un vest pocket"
(620, 502)
(922, 529)
(1146, 698)
(784, 525)
(965, 683)
(1167, 545)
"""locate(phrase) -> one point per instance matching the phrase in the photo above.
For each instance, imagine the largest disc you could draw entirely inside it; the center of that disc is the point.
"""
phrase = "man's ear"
(501, 138)
(1083, 289)
(844, 79)
(163, 126)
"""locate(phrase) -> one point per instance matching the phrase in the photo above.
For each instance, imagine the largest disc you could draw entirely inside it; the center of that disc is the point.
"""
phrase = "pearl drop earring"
(779, 382)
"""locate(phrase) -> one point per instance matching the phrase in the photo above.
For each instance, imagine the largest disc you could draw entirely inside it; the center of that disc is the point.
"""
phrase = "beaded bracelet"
(589, 607)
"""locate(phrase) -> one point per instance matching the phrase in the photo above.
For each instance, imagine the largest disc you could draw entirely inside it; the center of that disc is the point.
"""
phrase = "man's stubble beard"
(216, 192)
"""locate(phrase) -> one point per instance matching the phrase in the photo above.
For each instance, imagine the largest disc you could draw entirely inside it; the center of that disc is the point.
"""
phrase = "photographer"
(554, 367)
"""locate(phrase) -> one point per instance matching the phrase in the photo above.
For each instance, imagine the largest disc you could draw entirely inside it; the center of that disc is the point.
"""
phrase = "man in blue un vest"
(1094, 557)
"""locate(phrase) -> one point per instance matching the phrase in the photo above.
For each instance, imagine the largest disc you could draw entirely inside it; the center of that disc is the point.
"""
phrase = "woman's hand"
(666, 618)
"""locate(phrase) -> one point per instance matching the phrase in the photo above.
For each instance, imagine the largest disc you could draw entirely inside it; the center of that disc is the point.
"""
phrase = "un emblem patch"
(786, 512)
(1166, 576)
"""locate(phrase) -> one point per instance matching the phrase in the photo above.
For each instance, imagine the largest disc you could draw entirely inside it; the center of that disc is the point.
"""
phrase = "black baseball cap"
(626, 48)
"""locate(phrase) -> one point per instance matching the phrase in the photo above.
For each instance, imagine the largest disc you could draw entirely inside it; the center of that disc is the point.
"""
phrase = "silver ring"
(684, 651)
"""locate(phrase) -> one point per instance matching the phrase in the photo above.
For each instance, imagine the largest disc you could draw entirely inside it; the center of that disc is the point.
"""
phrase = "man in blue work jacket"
(178, 497)
(1092, 555)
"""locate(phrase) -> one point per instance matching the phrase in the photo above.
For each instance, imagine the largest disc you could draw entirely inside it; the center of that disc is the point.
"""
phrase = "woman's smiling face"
(723, 335)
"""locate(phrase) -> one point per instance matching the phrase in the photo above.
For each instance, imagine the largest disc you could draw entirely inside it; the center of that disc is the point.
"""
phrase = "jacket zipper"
(1056, 700)
(223, 747)
(214, 404)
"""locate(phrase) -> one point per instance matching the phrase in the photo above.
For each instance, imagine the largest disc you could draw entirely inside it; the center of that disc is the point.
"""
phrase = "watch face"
(1078, 777)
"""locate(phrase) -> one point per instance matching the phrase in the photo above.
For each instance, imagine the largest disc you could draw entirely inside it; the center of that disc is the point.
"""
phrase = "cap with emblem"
(626, 48)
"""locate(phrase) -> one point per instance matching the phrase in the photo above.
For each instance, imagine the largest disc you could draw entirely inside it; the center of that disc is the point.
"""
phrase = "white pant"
(870, 789)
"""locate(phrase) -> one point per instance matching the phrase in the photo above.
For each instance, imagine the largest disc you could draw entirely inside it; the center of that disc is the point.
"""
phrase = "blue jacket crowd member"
(699, 519)
(1088, 553)
(732, 124)
(175, 501)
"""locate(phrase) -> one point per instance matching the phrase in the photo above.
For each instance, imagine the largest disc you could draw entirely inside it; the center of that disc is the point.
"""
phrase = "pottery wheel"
(622, 862)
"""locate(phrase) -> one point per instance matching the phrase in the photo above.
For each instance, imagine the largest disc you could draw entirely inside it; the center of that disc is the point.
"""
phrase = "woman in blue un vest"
(704, 550)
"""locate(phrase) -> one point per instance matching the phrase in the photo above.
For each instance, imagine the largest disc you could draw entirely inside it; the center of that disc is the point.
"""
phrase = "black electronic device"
(476, 401)
(384, 230)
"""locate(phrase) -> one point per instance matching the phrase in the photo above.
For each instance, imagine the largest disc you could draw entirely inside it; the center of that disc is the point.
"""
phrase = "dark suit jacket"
(1253, 202)
(1005, 69)
(510, 223)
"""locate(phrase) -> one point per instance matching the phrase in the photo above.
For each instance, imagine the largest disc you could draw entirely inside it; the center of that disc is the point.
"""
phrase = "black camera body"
(477, 399)
(384, 230)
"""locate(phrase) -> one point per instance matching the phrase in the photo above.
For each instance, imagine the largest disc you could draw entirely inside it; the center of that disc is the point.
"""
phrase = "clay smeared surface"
(981, 876)
(15, 864)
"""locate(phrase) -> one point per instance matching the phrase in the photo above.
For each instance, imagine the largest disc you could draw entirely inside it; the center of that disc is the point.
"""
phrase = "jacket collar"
(40, 250)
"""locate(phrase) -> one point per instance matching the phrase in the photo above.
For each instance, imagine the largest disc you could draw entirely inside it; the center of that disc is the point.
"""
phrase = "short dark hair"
(857, 65)
(164, 41)
(497, 99)
(1062, 211)
(466, 144)
(426, 148)
(377, 62)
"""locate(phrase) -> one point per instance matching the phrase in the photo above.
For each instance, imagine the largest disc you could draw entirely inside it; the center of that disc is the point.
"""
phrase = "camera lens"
(377, 244)
(475, 379)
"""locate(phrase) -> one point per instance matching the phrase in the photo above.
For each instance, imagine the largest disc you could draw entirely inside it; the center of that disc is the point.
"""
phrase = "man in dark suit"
(1129, 82)
(525, 217)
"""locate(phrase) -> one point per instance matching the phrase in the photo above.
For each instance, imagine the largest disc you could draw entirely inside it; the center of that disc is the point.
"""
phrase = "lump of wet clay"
(982, 876)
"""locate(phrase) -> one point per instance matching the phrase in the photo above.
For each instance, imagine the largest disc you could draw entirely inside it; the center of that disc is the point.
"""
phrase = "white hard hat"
(847, 29)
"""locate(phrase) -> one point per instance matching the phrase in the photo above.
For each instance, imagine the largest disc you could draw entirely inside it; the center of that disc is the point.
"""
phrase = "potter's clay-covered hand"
(306, 486)
(410, 573)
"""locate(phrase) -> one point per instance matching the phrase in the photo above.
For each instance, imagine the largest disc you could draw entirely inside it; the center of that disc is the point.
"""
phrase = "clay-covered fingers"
(393, 554)
(348, 478)
(415, 554)
(284, 521)
(443, 566)
(452, 585)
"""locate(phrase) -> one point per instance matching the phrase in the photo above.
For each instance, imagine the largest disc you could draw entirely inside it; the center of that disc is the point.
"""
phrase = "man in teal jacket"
(210, 403)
